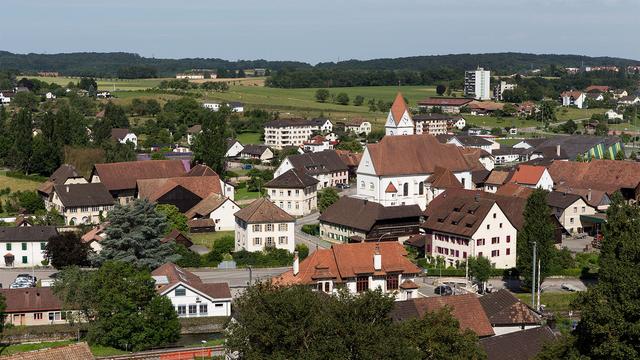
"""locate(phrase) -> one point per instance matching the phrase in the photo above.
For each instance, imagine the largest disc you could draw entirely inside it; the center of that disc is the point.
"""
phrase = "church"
(399, 121)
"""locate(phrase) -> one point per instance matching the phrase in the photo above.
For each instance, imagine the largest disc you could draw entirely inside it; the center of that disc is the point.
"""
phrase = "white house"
(358, 127)
(629, 100)
(612, 115)
(81, 203)
(294, 192)
(325, 166)
(5, 97)
(317, 143)
(568, 208)
(124, 136)
(234, 148)
(24, 246)
(211, 106)
(399, 121)
(462, 224)
(533, 177)
(189, 295)
(357, 267)
(219, 208)
(393, 171)
(257, 152)
(236, 106)
(573, 98)
(262, 225)
(50, 96)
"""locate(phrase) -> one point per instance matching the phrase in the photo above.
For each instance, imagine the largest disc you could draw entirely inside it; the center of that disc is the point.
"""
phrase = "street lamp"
(202, 351)
(533, 280)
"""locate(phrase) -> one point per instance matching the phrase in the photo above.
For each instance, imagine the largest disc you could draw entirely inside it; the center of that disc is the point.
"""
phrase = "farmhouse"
(81, 203)
(217, 208)
(263, 225)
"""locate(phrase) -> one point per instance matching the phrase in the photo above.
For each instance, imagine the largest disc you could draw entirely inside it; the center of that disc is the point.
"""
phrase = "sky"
(324, 30)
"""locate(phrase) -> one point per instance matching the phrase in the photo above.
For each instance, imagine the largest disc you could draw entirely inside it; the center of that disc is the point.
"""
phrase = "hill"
(120, 63)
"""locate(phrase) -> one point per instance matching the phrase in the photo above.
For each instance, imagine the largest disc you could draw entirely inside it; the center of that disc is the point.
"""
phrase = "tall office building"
(477, 84)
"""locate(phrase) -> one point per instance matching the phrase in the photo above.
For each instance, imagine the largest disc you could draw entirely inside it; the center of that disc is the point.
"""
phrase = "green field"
(491, 122)
(249, 138)
(107, 84)
(569, 113)
(16, 184)
(207, 239)
(244, 194)
(556, 301)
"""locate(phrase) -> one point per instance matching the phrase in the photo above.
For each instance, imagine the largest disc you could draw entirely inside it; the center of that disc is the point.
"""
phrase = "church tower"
(399, 121)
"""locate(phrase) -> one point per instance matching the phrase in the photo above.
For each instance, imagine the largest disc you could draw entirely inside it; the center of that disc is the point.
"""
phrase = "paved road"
(8, 275)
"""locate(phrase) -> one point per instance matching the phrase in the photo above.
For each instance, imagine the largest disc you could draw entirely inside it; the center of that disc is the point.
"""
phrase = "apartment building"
(477, 84)
(282, 133)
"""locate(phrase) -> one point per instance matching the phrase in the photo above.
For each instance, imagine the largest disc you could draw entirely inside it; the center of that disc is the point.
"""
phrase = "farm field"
(16, 184)
(142, 84)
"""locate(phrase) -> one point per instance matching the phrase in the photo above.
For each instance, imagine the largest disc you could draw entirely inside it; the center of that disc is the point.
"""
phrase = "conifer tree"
(539, 228)
(134, 235)
(210, 146)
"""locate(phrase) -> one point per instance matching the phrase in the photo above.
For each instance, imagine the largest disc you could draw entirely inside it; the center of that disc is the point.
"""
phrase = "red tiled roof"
(263, 211)
(123, 175)
(30, 299)
(398, 108)
(444, 101)
(514, 190)
(465, 308)
(597, 88)
(443, 178)
(604, 175)
(504, 309)
(79, 351)
(528, 174)
(391, 188)
(344, 261)
(405, 155)
(349, 158)
(202, 186)
(574, 94)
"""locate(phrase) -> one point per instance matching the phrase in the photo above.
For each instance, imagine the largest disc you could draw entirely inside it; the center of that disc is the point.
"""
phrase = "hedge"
(19, 175)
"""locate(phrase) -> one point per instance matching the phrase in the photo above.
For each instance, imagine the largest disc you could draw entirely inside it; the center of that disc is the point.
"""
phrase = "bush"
(19, 175)
(311, 229)
(188, 258)
(271, 257)
(221, 247)
(303, 251)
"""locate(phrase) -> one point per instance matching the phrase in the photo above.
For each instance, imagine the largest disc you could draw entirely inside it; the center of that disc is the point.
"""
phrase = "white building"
(612, 115)
(218, 208)
(294, 192)
(533, 177)
(124, 136)
(234, 148)
(432, 124)
(192, 76)
(189, 295)
(393, 171)
(325, 166)
(24, 246)
(211, 106)
(399, 121)
(356, 267)
(358, 127)
(462, 224)
(5, 97)
(81, 203)
(318, 143)
(262, 225)
(573, 98)
(499, 89)
(477, 84)
(50, 96)
(568, 208)
(293, 132)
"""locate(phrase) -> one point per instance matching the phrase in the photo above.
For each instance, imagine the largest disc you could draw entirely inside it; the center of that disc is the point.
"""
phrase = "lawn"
(569, 113)
(492, 122)
(249, 138)
(16, 184)
(207, 239)
(554, 301)
(244, 194)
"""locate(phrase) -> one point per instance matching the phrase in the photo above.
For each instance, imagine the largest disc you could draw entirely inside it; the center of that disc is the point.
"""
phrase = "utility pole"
(538, 308)
(533, 281)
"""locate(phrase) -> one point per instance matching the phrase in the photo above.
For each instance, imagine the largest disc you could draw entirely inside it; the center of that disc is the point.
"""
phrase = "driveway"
(313, 242)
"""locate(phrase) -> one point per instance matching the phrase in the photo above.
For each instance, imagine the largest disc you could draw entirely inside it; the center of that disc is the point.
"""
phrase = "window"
(43, 246)
(297, 192)
(420, 188)
(362, 283)
(494, 215)
(405, 189)
(203, 309)
(51, 316)
(182, 310)
(25, 260)
(257, 241)
(410, 293)
(575, 209)
(488, 226)
(269, 241)
(500, 225)
(181, 292)
(218, 305)
(495, 240)
(288, 204)
(392, 282)
(508, 238)
(370, 186)
(361, 184)
(495, 253)
(24, 246)
(508, 251)
(480, 242)
(193, 309)
(8, 246)
(464, 254)
(37, 316)
(571, 220)
(257, 227)
(268, 227)
(480, 254)
(273, 193)
(282, 240)
(283, 227)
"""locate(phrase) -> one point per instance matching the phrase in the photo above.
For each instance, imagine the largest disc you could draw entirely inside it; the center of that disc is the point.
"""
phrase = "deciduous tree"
(322, 95)
(326, 198)
(67, 249)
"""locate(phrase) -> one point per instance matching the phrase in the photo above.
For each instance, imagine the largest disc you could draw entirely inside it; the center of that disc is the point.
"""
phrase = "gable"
(182, 198)
(366, 165)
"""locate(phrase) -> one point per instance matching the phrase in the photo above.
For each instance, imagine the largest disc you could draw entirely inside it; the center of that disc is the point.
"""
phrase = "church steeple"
(399, 120)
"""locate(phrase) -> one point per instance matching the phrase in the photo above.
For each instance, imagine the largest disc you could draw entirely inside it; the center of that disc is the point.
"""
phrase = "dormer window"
(181, 291)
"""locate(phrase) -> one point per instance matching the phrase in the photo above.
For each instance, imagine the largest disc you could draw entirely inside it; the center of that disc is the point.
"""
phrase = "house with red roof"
(357, 267)
(533, 176)
(573, 98)
(399, 121)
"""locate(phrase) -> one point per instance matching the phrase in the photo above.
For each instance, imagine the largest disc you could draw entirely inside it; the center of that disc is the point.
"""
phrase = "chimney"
(558, 150)
(589, 195)
(377, 259)
(296, 263)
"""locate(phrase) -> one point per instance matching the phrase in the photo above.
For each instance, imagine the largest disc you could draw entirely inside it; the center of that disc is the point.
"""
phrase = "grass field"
(553, 301)
(107, 84)
(207, 239)
(16, 184)
(491, 122)
(568, 113)
(249, 138)
(244, 194)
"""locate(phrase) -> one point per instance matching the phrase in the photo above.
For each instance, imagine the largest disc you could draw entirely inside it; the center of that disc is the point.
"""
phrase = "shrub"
(311, 229)
(303, 251)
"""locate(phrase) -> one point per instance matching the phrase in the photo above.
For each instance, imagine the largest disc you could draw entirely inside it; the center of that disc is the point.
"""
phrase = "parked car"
(443, 290)
(569, 287)
(343, 185)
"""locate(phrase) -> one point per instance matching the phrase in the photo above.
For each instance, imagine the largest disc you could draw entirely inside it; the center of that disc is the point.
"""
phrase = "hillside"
(112, 64)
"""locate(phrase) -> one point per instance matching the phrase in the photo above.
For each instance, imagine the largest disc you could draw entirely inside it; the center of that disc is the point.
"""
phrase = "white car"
(569, 287)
